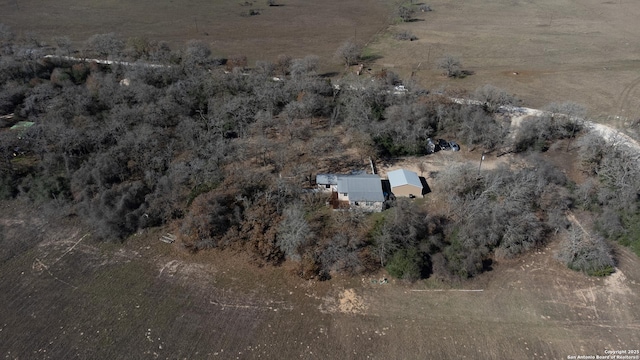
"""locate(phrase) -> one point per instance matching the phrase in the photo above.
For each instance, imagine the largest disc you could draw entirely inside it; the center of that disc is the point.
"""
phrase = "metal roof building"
(366, 188)
(327, 179)
(404, 183)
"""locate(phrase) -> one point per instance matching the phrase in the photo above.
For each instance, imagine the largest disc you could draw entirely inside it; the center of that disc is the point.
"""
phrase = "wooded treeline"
(222, 154)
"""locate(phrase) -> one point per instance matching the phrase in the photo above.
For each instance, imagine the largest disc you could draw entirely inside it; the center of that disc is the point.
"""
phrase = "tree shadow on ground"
(329, 74)
(487, 265)
(463, 74)
(370, 58)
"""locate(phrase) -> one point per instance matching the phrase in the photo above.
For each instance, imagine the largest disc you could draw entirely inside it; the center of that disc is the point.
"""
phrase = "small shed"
(22, 125)
(405, 183)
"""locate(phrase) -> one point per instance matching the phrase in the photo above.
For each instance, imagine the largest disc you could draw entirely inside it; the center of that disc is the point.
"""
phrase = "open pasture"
(546, 51)
(294, 27)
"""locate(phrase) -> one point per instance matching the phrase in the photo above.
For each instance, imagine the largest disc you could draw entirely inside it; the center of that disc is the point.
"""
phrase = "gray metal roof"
(403, 177)
(361, 187)
(327, 179)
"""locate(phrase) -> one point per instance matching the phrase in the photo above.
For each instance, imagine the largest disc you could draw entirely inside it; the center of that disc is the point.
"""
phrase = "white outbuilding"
(405, 183)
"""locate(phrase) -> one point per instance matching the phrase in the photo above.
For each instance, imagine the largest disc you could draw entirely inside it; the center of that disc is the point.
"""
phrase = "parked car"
(431, 147)
(443, 144)
(454, 146)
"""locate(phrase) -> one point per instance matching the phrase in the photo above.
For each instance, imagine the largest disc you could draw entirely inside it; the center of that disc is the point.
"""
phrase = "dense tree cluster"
(614, 192)
(590, 254)
(562, 121)
(225, 155)
(500, 213)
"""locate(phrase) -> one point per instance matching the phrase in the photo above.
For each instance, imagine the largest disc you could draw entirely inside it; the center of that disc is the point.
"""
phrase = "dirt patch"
(350, 303)
(347, 302)
(430, 165)
(617, 283)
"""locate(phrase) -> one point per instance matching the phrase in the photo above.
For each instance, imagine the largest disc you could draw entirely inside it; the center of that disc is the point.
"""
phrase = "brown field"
(574, 50)
(297, 27)
(66, 296)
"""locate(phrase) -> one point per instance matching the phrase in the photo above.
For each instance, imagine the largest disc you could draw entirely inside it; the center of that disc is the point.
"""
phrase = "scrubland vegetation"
(221, 153)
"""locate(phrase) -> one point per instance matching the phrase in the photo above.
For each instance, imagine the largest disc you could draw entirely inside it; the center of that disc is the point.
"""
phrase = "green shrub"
(605, 271)
(406, 264)
(45, 188)
(199, 190)
(631, 237)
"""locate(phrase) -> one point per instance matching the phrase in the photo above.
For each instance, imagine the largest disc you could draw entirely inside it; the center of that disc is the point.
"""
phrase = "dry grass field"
(572, 50)
(296, 27)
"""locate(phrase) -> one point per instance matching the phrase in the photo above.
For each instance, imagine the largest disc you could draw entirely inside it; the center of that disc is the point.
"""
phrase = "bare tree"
(404, 12)
(568, 117)
(293, 231)
(304, 66)
(265, 67)
(106, 45)
(63, 44)
(422, 166)
(160, 52)
(138, 47)
(583, 252)
(493, 98)
(479, 128)
(569, 109)
(283, 63)
(384, 245)
(451, 65)
(237, 62)
(592, 150)
(197, 53)
(348, 53)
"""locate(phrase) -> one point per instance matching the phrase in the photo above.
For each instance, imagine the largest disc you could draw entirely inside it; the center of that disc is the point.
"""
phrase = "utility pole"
(480, 166)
